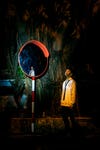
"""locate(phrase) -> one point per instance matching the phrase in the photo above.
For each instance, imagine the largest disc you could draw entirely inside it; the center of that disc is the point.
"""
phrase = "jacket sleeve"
(73, 93)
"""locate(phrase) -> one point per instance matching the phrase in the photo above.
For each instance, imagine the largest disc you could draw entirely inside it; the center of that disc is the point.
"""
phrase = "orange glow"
(39, 44)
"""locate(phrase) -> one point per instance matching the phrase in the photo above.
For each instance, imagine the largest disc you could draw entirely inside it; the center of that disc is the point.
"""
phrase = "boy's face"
(67, 72)
(31, 68)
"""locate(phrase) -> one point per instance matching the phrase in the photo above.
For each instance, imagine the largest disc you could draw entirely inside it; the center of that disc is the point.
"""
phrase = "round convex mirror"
(33, 54)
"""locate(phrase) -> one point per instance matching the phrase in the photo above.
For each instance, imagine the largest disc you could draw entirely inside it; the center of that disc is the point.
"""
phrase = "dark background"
(74, 23)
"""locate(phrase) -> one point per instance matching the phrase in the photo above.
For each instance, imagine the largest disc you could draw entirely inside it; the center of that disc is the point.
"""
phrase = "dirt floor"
(52, 136)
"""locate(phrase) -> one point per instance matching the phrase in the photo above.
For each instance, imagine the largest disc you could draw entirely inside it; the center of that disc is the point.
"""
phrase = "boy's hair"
(71, 68)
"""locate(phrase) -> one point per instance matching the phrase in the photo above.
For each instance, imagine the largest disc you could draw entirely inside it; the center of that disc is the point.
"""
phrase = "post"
(32, 74)
(33, 101)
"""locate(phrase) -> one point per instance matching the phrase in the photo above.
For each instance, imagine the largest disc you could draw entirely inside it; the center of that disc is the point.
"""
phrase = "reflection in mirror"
(32, 56)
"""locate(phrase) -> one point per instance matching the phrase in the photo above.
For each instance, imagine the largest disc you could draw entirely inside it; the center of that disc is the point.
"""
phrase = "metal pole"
(33, 101)
(32, 74)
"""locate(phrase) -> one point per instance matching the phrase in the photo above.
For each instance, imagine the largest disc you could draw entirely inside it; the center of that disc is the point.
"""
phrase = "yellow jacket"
(70, 93)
